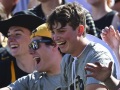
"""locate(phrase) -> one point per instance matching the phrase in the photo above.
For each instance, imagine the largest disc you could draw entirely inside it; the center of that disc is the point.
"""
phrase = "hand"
(98, 71)
(111, 37)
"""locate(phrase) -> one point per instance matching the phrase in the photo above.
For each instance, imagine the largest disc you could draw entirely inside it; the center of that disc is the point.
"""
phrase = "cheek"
(25, 42)
(69, 36)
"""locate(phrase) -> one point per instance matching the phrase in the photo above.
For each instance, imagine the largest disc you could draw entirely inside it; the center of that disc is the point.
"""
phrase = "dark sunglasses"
(35, 44)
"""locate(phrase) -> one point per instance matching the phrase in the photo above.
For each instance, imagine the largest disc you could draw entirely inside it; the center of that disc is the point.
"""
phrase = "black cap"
(24, 19)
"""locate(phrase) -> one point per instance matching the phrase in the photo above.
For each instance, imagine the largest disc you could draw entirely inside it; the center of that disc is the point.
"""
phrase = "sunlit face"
(42, 56)
(18, 40)
(66, 38)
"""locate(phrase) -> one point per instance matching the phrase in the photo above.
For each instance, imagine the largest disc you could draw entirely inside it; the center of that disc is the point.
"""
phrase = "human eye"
(18, 34)
(61, 31)
(8, 35)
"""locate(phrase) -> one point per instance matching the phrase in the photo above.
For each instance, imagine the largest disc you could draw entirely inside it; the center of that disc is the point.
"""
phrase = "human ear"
(80, 29)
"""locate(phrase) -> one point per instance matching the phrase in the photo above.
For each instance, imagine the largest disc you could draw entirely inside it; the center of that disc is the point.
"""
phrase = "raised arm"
(103, 74)
(112, 38)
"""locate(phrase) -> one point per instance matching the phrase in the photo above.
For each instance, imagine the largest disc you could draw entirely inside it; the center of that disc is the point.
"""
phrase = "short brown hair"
(72, 14)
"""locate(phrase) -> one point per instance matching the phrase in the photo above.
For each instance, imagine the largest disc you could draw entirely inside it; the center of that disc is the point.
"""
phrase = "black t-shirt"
(5, 68)
(104, 21)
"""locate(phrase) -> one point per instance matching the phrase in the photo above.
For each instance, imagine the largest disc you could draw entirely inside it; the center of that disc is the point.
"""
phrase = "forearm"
(112, 83)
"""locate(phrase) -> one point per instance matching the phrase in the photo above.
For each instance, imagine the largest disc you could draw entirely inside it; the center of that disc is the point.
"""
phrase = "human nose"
(11, 38)
(55, 37)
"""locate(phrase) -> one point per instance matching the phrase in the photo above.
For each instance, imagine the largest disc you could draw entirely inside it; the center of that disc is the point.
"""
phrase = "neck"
(26, 63)
(50, 5)
(79, 50)
(100, 10)
(55, 67)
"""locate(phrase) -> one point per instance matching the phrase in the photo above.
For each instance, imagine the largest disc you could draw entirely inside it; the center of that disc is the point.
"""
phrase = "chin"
(14, 54)
(63, 51)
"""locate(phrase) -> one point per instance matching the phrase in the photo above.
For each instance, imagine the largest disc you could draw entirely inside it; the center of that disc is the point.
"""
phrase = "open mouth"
(60, 43)
(13, 46)
(37, 59)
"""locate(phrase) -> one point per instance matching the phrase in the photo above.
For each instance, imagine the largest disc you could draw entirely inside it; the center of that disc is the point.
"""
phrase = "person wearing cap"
(18, 30)
(48, 57)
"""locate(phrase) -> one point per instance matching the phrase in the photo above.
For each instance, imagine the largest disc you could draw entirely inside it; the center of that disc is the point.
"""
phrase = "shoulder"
(97, 47)
(97, 51)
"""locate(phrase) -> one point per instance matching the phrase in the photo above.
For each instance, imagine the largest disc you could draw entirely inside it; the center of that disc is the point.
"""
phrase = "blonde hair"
(3, 40)
(3, 15)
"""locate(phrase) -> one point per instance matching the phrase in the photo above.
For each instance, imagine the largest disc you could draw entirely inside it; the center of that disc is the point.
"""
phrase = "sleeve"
(20, 84)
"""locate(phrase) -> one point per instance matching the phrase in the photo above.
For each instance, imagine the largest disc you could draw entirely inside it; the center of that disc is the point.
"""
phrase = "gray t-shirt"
(94, 52)
(36, 81)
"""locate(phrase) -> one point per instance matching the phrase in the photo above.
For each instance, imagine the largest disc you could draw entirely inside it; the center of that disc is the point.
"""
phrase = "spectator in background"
(116, 6)
(45, 7)
(82, 2)
(45, 52)
(103, 15)
(3, 14)
(9, 6)
(6, 8)
(21, 5)
(18, 30)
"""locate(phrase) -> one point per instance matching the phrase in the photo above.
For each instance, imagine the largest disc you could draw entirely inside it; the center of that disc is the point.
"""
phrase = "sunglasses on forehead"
(35, 44)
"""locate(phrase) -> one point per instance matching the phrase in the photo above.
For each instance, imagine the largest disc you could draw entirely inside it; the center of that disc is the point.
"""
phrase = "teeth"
(35, 58)
(60, 43)
(12, 46)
